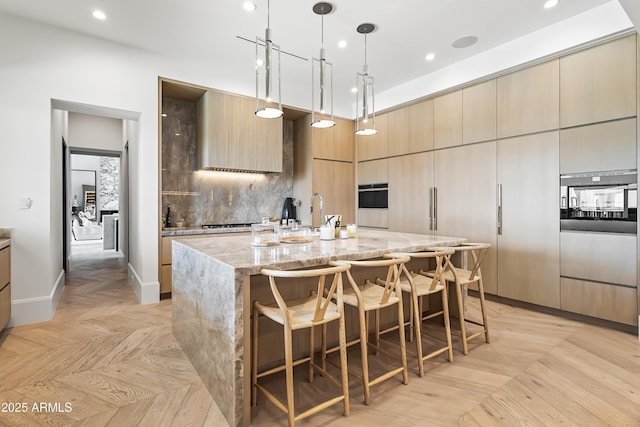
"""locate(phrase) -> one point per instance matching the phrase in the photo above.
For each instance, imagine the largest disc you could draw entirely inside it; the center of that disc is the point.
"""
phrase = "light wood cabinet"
(479, 112)
(323, 163)
(5, 286)
(336, 143)
(421, 126)
(410, 179)
(398, 131)
(465, 178)
(231, 136)
(374, 146)
(528, 100)
(336, 182)
(600, 300)
(599, 83)
(528, 248)
(447, 120)
(599, 147)
(373, 172)
(599, 257)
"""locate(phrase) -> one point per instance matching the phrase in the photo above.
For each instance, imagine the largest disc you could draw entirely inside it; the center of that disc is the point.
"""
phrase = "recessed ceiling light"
(430, 56)
(98, 14)
(249, 6)
(342, 44)
(550, 3)
(354, 90)
(464, 41)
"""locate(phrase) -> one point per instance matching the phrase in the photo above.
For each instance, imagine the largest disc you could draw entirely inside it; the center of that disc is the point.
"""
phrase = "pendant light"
(319, 79)
(268, 105)
(365, 106)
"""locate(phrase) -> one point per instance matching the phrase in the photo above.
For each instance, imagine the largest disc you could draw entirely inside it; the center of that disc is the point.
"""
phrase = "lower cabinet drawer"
(165, 279)
(5, 306)
(600, 300)
(378, 218)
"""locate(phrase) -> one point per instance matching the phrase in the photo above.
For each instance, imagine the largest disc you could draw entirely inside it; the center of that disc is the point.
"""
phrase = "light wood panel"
(447, 120)
(421, 126)
(374, 146)
(600, 300)
(479, 112)
(373, 172)
(599, 84)
(465, 177)
(398, 123)
(528, 100)
(376, 218)
(336, 143)
(336, 182)
(410, 179)
(528, 248)
(599, 147)
(603, 257)
(231, 136)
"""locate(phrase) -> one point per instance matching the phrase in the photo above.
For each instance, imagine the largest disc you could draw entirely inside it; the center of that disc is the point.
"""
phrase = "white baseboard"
(147, 293)
(40, 309)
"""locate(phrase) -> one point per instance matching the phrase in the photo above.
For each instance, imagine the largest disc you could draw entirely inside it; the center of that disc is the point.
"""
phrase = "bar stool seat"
(317, 309)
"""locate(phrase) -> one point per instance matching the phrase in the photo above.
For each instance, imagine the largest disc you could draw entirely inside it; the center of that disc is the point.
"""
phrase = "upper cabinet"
(599, 83)
(336, 143)
(421, 126)
(232, 137)
(398, 129)
(447, 116)
(528, 100)
(374, 146)
(479, 112)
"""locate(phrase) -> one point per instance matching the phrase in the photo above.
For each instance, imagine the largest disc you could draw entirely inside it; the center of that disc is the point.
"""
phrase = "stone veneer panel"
(109, 178)
(204, 197)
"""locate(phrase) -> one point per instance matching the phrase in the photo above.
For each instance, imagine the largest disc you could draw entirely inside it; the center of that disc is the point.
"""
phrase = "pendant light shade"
(268, 100)
(322, 79)
(365, 100)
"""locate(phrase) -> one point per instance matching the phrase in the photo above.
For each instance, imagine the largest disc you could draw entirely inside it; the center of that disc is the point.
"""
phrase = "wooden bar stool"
(306, 313)
(468, 273)
(419, 286)
(372, 297)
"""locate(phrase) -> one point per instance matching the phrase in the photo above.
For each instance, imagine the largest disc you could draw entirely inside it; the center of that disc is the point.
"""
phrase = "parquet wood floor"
(116, 363)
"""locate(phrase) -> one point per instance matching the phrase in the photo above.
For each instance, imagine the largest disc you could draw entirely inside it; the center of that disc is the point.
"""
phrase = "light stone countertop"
(237, 252)
(4, 243)
(190, 231)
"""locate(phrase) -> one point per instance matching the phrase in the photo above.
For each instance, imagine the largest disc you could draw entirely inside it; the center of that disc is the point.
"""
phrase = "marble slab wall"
(207, 197)
(108, 177)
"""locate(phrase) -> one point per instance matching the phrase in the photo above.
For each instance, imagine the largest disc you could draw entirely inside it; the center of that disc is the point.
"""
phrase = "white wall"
(88, 131)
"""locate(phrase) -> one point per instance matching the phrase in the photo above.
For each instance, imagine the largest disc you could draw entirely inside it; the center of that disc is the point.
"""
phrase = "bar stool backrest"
(478, 252)
(323, 297)
(440, 255)
(393, 274)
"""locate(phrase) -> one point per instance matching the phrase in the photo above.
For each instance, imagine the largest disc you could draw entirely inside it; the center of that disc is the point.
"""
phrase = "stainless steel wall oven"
(599, 201)
(373, 196)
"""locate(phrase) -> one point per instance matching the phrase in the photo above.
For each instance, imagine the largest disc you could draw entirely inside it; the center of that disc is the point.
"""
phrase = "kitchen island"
(213, 281)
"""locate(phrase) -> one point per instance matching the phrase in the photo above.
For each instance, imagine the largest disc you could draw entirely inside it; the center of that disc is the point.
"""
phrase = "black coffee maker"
(289, 209)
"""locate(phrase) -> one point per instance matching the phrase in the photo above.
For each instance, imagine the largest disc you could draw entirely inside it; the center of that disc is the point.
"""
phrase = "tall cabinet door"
(465, 178)
(528, 246)
(410, 179)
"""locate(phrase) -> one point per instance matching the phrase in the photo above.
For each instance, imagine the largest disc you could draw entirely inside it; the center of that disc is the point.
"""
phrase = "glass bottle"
(168, 221)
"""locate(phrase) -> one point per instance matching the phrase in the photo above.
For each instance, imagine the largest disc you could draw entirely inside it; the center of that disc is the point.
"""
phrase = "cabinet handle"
(435, 208)
(499, 197)
(431, 208)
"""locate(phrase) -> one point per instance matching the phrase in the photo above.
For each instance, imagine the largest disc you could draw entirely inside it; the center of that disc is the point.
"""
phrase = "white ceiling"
(406, 31)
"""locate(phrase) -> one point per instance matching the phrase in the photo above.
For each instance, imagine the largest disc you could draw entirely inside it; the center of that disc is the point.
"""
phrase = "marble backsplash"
(207, 197)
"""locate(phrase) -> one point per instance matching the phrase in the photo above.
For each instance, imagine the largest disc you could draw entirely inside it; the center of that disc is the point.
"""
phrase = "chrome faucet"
(321, 208)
